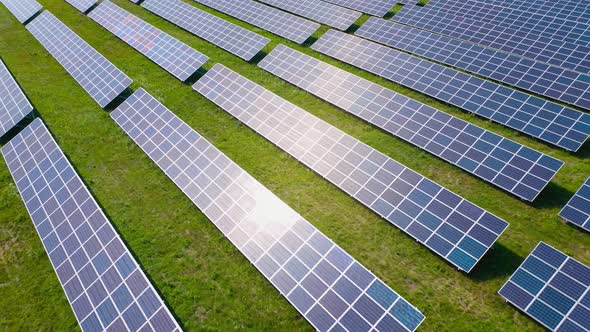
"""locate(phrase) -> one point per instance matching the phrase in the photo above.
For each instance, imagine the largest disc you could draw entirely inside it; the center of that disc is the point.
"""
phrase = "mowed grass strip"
(207, 283)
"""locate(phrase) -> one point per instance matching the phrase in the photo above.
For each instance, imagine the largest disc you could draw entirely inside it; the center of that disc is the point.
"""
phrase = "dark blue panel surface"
(577, 210)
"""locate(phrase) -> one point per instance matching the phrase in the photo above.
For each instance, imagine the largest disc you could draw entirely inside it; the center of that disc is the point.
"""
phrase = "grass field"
(207, 283)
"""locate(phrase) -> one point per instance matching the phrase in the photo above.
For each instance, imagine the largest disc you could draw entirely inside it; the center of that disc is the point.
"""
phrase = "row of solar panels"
(414, 227)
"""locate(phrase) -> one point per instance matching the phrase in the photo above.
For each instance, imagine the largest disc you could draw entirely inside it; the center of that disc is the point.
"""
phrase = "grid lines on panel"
(524, 21)
(82, 5)
(14, 105)
(373, 7)
(452, 227)
(534, 76)
(511, 166)
(559, 53)
(168, 52)
(283, 24)
(326, 285)
(545, 120)
(99, 77)
(577, 210)
(22, 9)
(103, 283)
(552, 288)
(230, 37)
(335, 16)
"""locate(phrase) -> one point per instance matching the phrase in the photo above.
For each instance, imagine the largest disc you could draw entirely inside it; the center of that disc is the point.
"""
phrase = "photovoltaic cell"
(320, 11)
(230, 37)
(534, 76)
(552, 288)
(82, 5)
(374, 7)
(14, 106)
(100, 78)
(452, 227)
(548, 121)
(326, 285)
(22, 9)
(103, 283)
(283, 24)
(511, 166)
(168, 52)
(577, 210)
(556, 52)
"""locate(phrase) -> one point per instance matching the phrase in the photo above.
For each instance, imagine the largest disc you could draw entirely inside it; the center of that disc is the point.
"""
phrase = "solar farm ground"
(207, 283)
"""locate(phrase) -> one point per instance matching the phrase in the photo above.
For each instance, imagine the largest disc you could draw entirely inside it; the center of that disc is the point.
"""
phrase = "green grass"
(207, 283)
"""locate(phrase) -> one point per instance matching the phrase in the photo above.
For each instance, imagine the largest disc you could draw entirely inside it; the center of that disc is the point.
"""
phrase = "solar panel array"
(100, 78)
(374, 7)
(556, 52)
(577, 210)
(537, 77)
(283, 24)
(14, 105)
(552, 288)
(452, 227)
(23, 10)
(103, 283)
(328, 287)
(511, 166)
(232, 38)
(168, 52)
(320, 11)
(82, 5)
(548, 121)
(543, 24)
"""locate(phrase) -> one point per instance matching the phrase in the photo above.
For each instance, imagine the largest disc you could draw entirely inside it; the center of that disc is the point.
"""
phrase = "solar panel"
(374, 7)
(548, 121)
(320, 11)
(545, 24)
(511, 166)
(552, 288)
(104, 285)
(230, 37)
(577, 210)
(451, 226)
(283, 24)
(22, 9)
(168, 52)
(14, 106)
(534, 76)
(82, 5)
(326, 285)
(100, 78)
(556, 52)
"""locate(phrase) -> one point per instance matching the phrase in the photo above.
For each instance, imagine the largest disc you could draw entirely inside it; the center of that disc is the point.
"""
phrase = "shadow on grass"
(258, 57)
(499, 262)
(309, 41)
(18, 127)
(195, 76)
(353, 28)
(119, 100)
(552, 196)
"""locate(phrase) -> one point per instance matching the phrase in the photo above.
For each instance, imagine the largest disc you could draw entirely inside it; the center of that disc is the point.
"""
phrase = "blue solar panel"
(103, 283)
(168, 52)
(553, 289)
(556, 52)
(326, 285)
(232, 38)
(14, 105)
(577, 210)
(22, 9)
(511, 166)
(548, 121)
(452, 227)
(550, 24)
(100, 78)
(283, 24)
(374, 7)
(82, 5)
(534, 76)
(320, 11)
